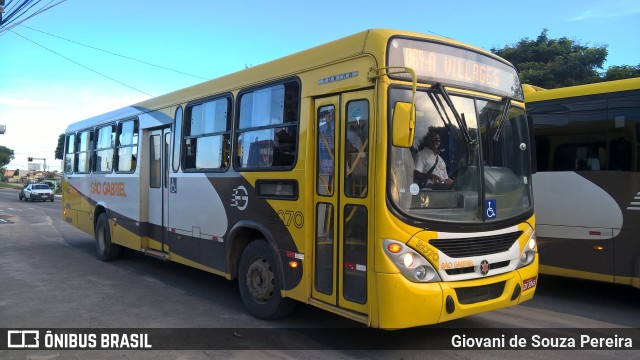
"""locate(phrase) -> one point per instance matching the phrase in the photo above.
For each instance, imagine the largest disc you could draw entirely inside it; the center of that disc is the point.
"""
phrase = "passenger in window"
(134, 162)
(283, 137)
(284, 143)
(265, 158)
(430, 170)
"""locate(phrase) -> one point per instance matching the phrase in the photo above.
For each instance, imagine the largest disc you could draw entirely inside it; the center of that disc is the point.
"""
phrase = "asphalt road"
(51, 278)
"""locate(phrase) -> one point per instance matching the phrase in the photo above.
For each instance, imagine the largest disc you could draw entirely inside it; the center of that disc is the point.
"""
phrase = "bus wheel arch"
(240, 237)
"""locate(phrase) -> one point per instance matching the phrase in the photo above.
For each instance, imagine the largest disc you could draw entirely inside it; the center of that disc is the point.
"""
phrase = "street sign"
(34, 166)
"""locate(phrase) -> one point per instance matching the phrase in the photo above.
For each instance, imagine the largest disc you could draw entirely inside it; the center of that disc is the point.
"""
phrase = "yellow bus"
(297, 178)
(587, 188)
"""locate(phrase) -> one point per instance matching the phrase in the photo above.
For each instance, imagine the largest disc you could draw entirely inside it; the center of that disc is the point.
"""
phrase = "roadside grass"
(10, 186)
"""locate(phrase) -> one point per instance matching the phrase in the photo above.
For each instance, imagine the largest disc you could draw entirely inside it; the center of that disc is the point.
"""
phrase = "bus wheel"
(107, 251)
(260, 283)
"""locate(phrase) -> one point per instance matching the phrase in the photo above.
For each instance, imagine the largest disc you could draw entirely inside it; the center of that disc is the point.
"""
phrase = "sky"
(48, 80)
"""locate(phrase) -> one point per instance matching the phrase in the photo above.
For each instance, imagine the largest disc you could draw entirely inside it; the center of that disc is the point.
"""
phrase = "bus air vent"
(466, 247)
(476, 294)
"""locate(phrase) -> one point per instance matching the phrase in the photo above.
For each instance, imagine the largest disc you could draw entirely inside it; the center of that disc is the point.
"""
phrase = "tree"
(552, 63)
(621, 72)
(6, 155)
(60, 147)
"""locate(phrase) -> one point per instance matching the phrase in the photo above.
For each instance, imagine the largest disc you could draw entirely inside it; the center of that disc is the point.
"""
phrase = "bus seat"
(401, 176)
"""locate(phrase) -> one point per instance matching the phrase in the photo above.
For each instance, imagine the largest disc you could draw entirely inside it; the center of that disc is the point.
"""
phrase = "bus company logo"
(23, 339)
(240, 198)
(484, 267)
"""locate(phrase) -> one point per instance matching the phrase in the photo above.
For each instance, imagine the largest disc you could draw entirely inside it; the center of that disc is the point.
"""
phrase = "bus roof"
(373, 41)
(534, 93)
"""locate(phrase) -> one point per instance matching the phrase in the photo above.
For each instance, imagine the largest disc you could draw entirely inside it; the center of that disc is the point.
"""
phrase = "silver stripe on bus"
(635, 205)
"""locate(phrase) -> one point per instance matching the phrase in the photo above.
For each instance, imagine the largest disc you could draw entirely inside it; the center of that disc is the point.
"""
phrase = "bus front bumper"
(404, 304)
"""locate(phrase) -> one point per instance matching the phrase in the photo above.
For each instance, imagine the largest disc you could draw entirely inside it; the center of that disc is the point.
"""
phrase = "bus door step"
(156, 254)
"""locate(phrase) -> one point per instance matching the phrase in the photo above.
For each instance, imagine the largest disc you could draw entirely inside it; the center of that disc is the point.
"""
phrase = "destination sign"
(435, 62)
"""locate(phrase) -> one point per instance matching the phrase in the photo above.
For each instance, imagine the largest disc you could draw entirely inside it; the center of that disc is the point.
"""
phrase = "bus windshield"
(469, 167)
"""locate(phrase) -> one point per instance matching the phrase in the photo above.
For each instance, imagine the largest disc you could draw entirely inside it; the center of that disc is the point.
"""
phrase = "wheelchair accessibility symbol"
(490, 210)
(174, 186)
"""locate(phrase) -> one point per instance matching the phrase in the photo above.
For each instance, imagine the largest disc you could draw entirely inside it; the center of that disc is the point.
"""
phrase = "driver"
(429, 165)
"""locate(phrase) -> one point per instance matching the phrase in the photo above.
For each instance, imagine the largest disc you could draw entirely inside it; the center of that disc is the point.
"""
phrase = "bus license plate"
(529, 283)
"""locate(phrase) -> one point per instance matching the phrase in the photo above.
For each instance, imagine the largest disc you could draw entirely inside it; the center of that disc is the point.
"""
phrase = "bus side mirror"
(404, 124)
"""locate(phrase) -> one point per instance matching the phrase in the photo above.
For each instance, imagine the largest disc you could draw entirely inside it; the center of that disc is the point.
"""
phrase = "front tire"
(106, 250)
(260, 283)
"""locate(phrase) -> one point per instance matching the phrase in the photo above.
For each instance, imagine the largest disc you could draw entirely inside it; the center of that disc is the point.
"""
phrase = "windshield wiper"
(462, 123)
(437, 104)
(505, 113)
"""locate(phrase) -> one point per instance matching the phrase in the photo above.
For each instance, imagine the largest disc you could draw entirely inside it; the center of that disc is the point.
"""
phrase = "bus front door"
(159, 142)
(341, 240)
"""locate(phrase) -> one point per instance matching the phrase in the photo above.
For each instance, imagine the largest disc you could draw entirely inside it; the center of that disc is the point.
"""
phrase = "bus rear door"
(159, 147)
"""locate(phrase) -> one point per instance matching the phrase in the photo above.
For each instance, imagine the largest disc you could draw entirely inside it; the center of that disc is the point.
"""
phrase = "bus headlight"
(410, 263)
(529, 252)
(407, 259)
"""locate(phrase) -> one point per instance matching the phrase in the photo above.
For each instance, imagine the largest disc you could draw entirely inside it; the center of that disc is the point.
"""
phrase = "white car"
(35, 192)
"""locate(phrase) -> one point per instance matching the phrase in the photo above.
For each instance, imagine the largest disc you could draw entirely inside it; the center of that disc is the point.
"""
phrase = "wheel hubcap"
(260, 280)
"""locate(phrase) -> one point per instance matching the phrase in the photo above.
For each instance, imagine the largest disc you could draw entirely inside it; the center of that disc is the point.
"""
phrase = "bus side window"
(83, 154)
(543, 149)
(69, 157)
(206, 133)
(105, 138)
(127, 146)
(267, 133)
(620, 155)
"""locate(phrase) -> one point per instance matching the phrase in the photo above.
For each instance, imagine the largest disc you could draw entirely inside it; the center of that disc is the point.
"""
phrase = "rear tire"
(260, 283)
(106, 250)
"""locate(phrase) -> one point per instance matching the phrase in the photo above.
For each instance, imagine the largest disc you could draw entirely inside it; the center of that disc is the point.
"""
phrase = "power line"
(79, 64)
(4, 28)
(9, 5)
(115, 54)
(15, 13)
(9, 23)
(11, 13)
(23, 5)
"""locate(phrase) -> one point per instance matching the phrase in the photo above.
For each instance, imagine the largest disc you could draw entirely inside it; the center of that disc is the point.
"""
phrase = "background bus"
(587, 188)
(295, 177)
